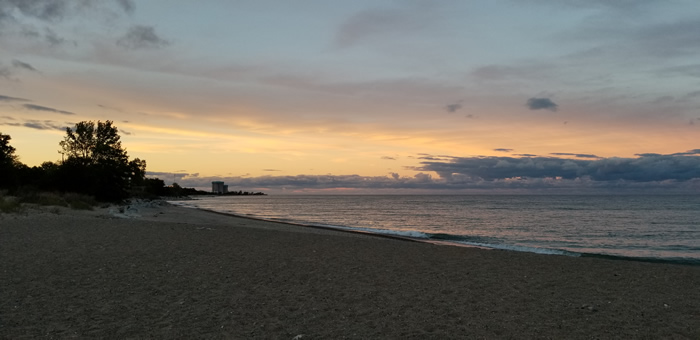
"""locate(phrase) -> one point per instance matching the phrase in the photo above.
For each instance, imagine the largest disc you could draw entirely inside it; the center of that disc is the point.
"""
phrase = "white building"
(218, 187)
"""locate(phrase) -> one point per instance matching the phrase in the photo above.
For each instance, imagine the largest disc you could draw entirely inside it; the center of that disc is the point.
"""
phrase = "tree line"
(93, 163)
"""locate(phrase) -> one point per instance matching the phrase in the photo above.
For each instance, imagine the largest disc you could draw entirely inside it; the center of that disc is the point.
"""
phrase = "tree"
(96, 163)
(92, 144)
(137, 171)
(7, 152)
(8, 163)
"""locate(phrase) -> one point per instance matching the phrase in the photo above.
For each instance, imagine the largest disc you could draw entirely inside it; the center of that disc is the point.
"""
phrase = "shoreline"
(162, 271)
(457, 243)
(330, 228)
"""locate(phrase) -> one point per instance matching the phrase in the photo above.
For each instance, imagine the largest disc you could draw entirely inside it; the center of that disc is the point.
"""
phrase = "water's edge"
(447, 239)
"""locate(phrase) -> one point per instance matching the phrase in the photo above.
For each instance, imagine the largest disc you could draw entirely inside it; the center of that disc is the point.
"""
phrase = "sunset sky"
(358, 96)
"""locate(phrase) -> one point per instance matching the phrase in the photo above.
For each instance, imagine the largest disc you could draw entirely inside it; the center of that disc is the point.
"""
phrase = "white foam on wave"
(402, 233)
(525, 249)
(399, 233)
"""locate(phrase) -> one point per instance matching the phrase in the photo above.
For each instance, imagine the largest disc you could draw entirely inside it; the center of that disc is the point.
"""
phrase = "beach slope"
(161, 271)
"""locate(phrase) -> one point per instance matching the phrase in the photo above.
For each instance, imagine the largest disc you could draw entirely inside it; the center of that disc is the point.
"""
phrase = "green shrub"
(10, 205)
(80, 201)
(72, 200)
(43, 198)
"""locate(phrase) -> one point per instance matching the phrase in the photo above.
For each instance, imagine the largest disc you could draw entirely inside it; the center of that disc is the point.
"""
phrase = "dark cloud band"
(47, 109)
(650, 173)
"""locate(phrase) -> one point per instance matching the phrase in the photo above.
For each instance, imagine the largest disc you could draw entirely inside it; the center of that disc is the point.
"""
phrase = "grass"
(43, 198)
(9, 204)
(80, 201)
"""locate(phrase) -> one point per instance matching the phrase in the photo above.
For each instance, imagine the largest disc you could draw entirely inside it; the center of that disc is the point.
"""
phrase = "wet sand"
(168, 272)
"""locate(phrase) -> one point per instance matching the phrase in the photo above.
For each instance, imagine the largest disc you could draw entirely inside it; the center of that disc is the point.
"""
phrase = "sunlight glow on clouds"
(352, 93)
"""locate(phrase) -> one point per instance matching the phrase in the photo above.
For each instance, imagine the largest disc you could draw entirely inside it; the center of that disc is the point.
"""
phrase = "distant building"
(218, 187)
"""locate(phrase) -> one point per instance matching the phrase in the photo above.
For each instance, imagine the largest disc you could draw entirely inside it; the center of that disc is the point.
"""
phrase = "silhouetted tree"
(96, 163)
(155, 186)
(92, 144)
(137, 171)
(8, 163)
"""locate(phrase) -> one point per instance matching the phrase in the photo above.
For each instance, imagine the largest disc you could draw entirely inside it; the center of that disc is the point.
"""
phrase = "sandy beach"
(159, 271)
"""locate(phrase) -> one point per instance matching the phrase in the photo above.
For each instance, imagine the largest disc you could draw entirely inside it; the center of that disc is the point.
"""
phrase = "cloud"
(453, 107)
(578, 155)
(621, 5)
(388, 158)
(22, 65)
(142, 37)
(541, 104)
(309, 182)
(690, 96)
(646, 168)
(46, 125)
(26, 19)
(36, 124)
(52, 38)
(503, 150)
(670, 39)
(382, 22)
(12, 99)
(687, 153)
(687, 70)
(412, 87)
(5, 73)
(271, 170)
(127, 5)
(44, 108)
(54, 11)
(649, 173)
(46, 10)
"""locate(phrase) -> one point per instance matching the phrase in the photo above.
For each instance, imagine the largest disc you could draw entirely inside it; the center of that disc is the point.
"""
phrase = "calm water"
(648, 227)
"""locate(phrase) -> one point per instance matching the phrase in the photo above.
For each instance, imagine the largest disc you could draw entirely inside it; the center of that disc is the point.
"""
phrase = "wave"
(670, 260)
(451, 239)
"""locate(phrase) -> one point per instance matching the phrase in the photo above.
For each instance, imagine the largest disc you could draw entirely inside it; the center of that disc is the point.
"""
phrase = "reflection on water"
(637, 226)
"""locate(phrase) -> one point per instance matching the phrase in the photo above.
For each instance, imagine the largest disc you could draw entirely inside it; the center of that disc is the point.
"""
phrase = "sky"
(443, 96)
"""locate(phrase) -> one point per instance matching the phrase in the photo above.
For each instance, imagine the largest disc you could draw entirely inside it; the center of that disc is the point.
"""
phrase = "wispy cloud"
(142, 37)
(503, 150)
(5, 73)
(35, 124)
(22, 65)
(382, 23)
(52, 38)
(453, 107)
(47, 109)
(127, 5)
(577, 155)
(12, 99)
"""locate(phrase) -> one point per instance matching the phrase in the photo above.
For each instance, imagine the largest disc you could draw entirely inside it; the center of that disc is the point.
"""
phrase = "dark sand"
(182, 273)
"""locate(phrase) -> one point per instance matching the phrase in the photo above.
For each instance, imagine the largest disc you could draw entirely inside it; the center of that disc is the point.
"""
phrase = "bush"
(80, 201)
(9, 205)
(43, 198)
(72, 200)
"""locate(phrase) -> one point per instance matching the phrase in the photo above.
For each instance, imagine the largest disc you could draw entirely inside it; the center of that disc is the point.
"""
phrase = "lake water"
(656, 228)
